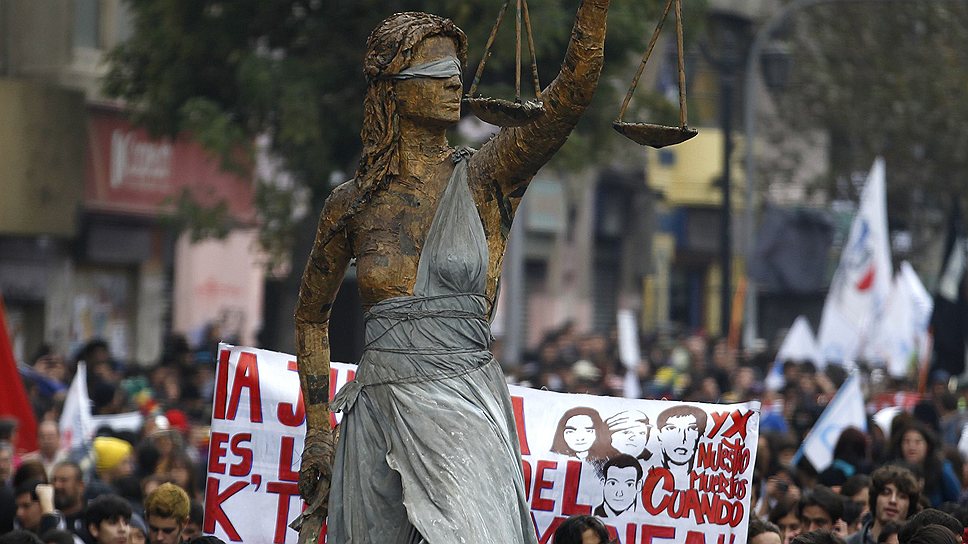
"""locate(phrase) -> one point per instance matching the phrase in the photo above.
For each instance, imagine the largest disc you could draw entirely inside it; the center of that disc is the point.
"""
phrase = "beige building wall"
(221, 282)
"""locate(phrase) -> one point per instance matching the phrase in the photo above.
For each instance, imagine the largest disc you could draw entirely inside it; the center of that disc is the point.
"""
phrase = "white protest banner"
(653, 471)
(75, 422)
(128, 421)
(258, 425)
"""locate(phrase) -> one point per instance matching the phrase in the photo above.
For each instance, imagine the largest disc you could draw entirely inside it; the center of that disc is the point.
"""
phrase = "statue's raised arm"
(516, 154)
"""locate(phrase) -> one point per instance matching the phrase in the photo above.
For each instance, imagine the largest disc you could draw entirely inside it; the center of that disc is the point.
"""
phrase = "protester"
(20, 536)
(581, 530)
(35, 508)
(933, 534)
(820, 536)
(819, 509)
(888, 534)
(763, 532)
(49, 452)
(894, 495)
(68, 482)
(925, 518)
(785, 516)
(917, 445)
(166, 514)
(114, 459)
(107, 519)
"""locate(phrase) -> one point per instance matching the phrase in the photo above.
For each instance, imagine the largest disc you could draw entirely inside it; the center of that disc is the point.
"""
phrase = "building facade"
(86, 250)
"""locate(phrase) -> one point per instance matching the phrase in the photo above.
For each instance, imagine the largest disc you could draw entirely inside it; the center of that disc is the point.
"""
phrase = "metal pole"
(725, 228)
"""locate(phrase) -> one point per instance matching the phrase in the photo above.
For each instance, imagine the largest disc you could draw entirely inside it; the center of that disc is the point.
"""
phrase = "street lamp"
(726, 51)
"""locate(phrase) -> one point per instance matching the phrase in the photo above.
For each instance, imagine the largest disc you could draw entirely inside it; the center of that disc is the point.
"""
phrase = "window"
(87, 15)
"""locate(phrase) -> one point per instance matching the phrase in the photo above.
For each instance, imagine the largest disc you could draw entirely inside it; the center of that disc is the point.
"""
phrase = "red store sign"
(129, 172)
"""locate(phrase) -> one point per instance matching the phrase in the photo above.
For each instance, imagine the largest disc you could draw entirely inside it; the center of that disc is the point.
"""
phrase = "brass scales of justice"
(507, 113)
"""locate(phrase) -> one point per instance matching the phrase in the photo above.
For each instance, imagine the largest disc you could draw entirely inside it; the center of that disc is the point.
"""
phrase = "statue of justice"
(427, 449)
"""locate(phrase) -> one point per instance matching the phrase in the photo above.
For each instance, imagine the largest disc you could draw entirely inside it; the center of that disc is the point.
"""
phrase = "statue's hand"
(316, 470)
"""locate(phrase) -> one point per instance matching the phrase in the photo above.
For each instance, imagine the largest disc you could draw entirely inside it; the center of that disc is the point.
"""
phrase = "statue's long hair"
(389, 50)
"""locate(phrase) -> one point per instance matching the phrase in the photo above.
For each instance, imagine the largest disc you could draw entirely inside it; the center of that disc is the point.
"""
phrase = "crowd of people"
(903, 480)
(133, 482)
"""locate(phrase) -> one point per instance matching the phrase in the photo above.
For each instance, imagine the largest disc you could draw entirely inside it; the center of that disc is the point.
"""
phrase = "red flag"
(13, 397)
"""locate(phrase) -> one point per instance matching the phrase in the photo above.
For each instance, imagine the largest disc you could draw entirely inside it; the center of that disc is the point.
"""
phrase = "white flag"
(863, 278)
(76, 425)
(846, 409)
(800, 344)
(901, 331)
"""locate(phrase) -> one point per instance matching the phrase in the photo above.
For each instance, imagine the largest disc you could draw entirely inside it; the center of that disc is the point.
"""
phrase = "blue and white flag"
(863, 278)
(846, 409)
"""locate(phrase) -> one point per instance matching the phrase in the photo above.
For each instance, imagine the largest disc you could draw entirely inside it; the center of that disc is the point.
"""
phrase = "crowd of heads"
(902, 479)
(900, 470)
(138, 479)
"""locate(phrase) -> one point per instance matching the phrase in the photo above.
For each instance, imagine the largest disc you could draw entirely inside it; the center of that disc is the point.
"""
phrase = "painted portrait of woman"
(582, 434)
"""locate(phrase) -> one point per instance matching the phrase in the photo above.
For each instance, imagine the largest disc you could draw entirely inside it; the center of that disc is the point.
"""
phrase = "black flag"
(949, 321)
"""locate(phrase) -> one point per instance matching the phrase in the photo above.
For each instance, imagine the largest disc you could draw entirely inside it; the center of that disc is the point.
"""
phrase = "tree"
(886, 78)
(232, 71)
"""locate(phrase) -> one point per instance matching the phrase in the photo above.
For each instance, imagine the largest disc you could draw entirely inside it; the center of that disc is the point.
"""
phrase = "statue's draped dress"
(428, 450)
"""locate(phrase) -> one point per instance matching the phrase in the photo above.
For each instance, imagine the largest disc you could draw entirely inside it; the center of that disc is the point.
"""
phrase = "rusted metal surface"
(381, 218)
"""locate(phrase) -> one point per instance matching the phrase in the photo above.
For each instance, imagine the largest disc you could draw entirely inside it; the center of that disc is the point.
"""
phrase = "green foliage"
(886, 78)
(231, 70)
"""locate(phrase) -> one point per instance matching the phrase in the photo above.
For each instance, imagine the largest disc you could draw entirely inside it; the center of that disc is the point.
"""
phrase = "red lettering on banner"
(656, 531)
(286, 413)
(216, 451)
(569, 500)
(695, 537)
(517, 403)
(545, 537)
(526, 469)
(739, 424)
(719, 418)
(286, 491)
(286, 473)
(221, 384)
(631, 530)
(245, 466)
(708, 508)
(657, 477)
(730, 486)
(246, 376)
(540, 483)
(213, 508)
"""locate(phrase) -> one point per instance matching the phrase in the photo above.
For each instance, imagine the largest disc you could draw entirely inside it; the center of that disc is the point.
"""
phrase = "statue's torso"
(386, 237)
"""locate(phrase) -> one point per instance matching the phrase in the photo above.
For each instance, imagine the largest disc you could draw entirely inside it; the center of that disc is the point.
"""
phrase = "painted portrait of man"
(679, 429)
(622, 479)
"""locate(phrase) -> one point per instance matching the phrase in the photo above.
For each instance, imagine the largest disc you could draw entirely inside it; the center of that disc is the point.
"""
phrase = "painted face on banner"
(679, 437)
(580, 433)
(621, 488)
(631, 441)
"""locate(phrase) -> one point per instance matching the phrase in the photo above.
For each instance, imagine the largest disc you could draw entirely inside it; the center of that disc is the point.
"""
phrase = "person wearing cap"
(113, 458)
(138, 531)
(166, 514)
(629, 432)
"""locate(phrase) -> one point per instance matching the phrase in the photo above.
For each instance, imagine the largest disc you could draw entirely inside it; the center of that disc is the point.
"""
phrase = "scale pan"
(505, 113)
(656, 136)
